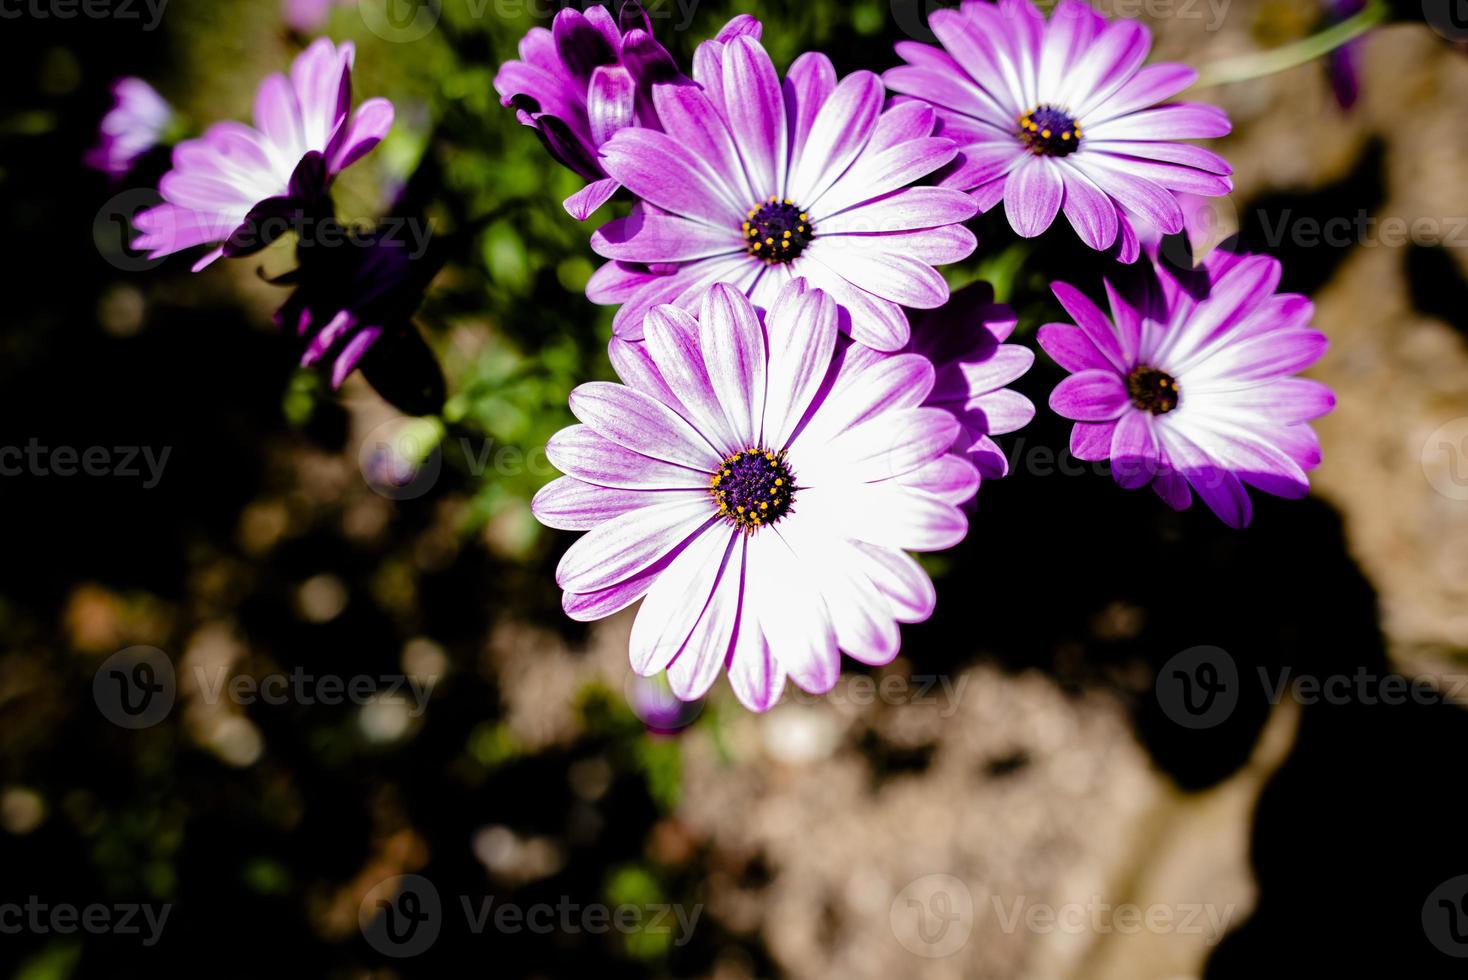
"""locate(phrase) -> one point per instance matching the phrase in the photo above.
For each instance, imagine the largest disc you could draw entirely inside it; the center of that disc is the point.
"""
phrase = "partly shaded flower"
(760, 483)
(1060, 116)
(350, 296)
(135, 124)
(754, 183)
(1190, 383)
(237, 180)
(584, 79)
(965, 341)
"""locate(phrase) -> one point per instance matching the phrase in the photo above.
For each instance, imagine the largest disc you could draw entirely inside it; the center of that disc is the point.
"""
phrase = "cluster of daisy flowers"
(801, 403)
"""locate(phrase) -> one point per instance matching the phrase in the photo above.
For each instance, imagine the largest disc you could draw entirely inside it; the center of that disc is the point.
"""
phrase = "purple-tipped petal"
(635, 421)
(580, 452)
(757, 116)
(733, 346)
(585, 201)
(616, 550)
(1033, 196)
(568, 504)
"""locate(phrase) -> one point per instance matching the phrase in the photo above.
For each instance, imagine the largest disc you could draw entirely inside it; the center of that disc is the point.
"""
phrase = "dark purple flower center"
(1152, 390)
(1049, 132)
(753, 488)
(777, 231)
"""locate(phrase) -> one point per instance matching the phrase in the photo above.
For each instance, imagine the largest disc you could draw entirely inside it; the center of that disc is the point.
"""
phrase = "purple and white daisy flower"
(1190, 383)
(587, 77)
(225, 186)
(761, 487)
(135, 124)
(1060, 116)
(754, 183)
(965, 341)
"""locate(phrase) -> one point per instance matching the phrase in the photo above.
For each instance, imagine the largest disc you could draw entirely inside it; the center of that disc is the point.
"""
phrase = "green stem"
(1250, 66)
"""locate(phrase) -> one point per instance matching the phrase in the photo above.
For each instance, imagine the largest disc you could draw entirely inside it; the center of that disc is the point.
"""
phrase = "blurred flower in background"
(652, 699)
(307, 16)
(238, 186)
(136, 123)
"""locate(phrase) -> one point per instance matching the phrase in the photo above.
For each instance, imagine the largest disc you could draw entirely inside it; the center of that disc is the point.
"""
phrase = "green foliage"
(660, 761)
(56, 962)
(633, 885)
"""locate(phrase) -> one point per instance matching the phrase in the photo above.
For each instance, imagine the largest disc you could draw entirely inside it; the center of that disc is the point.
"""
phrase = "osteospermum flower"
(1190, 383)
(754, 183)
(349, 297)
(135, 124)
(226, 186)
(1060, 116)
(965, 341)
(759, 490)
(587, 77)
